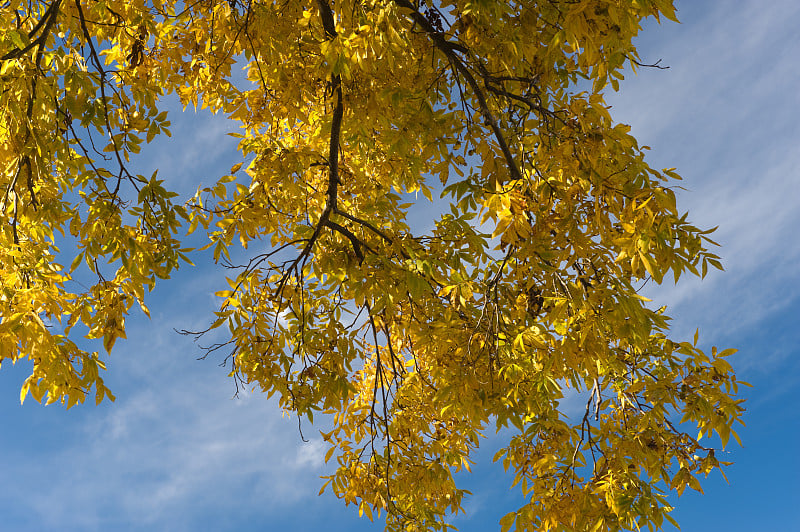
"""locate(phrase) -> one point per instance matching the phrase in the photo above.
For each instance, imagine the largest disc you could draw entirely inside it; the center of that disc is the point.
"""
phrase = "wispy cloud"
(727, 117)
(198, 153)
(174, 441)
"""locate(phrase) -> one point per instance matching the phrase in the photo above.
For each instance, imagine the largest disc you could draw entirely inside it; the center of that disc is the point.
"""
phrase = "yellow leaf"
(507, 521)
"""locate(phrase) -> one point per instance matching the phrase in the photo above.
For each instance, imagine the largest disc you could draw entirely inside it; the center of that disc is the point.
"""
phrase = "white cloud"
(174, 439)
(725, 115)
(198, 153)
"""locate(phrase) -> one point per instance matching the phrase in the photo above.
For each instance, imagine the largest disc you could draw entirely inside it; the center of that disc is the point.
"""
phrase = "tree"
(415, 343)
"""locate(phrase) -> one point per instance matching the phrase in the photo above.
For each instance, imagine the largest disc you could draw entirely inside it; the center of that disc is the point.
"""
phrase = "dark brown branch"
(450, 48)
(366, 224)
(354, 241)
(47, 20)
(327, 18)
(490, 119)
(522, 99)
(645, 65)
(436, 36)
(333, 155)
(336, 122)
(95, 57)
(333, 150)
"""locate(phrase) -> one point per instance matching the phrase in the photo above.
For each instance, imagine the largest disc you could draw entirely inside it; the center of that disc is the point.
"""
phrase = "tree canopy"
(410, 340)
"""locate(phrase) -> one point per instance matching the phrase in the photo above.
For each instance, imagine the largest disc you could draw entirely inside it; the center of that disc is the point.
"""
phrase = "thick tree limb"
(450, 48)
(333, 154)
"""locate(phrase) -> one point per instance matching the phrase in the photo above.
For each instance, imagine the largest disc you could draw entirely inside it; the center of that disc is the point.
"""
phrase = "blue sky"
(176, 452)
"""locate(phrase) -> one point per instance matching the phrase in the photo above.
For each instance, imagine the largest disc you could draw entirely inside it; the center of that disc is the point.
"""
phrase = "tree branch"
(333, 153)
(450, 48)
(47, 20)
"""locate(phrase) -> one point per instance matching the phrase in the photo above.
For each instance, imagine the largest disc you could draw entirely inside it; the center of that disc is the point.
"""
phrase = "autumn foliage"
(415, 338)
